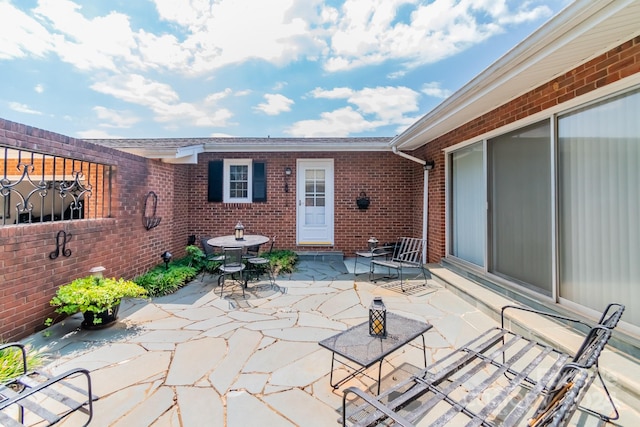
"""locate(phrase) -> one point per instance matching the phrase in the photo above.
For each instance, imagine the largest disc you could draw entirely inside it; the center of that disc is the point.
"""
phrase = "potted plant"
(97, 298)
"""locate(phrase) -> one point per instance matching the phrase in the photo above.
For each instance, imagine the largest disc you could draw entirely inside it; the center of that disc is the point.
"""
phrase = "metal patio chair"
(210, 253)
(232, 268)
(259, 263)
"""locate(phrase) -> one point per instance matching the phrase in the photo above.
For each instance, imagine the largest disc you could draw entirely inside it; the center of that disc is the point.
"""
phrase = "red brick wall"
(618, 63)
(120, 243)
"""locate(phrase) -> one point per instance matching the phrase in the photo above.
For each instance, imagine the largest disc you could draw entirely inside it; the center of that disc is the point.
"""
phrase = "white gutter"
(407, 156)
(425, 192)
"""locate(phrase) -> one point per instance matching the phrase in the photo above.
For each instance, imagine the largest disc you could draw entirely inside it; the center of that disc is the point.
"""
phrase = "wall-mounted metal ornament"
(363, 201)
(61, 245)
(150, 221)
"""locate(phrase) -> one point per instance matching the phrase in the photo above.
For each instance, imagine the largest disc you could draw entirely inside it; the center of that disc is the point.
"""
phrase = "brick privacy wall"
(618, 63)
(384, 177)
(120, 243)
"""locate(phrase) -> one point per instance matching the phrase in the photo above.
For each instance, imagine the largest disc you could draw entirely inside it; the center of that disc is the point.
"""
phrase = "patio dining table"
(230, 241)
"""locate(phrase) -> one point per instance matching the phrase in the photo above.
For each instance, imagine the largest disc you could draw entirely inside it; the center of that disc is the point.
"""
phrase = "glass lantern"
(377, 318)
(373, 243)
(239, 231)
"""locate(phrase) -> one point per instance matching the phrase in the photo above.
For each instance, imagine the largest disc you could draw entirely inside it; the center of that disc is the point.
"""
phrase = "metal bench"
(46, 399)
(407, 254)
(496, 379)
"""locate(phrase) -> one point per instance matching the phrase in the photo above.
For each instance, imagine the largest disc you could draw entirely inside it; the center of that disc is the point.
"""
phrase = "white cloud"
(433, 89)
(163, 101)
(367, 32)
(375, 107)
(215, 97)
(234, 31)
(279, 86)
(116, 119)
(38, 88)
(88, 44)
(396, 74)
(338, 123)
(136, 89)
(164, 51)
(23, 108)
(275, 104)
(335, 93)
(20, 34)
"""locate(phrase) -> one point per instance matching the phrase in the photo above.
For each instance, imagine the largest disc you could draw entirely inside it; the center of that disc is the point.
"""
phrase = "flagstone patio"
(194, 358)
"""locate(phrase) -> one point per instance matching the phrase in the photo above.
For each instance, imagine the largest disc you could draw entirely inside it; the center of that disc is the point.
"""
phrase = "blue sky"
(247, 68)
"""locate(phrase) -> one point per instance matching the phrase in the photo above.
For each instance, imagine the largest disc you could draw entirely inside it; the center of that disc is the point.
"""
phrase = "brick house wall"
(610, 67)
(387, 179)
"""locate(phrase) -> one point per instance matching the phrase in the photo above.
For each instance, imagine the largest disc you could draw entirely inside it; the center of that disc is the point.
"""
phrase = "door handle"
(299, 202)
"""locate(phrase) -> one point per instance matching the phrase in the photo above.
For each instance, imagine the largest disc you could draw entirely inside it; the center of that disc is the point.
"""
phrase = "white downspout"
(425, 192)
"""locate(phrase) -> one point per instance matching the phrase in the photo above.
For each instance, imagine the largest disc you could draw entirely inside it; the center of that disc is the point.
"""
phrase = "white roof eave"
(293, 147)
(581, 31)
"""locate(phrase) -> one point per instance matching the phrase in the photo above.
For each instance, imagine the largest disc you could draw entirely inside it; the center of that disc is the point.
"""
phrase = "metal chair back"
(232, 259)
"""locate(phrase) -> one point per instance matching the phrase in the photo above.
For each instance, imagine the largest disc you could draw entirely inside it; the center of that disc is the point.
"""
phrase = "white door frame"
(320, 231)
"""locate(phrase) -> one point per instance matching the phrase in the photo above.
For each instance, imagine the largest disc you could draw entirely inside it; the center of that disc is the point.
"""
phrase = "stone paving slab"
(195, 359)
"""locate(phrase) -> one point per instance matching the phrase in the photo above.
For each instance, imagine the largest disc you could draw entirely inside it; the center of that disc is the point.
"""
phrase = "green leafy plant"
(160, 281)
(92, 294)
(282, 261)
(195, 257)
(11, 362)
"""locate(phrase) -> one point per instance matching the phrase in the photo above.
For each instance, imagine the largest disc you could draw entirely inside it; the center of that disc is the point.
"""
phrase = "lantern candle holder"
(239, 231)
(378, 318)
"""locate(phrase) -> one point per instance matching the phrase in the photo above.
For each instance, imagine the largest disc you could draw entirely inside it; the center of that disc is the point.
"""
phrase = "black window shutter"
(259, 182)
(215, 181)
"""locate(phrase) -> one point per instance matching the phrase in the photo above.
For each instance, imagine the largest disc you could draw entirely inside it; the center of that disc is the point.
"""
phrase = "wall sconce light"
(430, 164)
(166, 257)
(378, 318)
(239, 231)
(287, 174)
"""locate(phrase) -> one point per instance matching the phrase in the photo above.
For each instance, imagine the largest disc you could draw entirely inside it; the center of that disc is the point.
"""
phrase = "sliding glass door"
(520, 206)
(468, 201)
(599, 201)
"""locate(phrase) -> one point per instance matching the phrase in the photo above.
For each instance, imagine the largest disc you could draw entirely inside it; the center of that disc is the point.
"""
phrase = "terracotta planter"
(107, 317)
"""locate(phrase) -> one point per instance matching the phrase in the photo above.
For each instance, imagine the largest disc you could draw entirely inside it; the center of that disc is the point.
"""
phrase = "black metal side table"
(356, 345)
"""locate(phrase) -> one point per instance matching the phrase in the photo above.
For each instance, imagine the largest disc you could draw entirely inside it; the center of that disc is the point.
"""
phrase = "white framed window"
(237, 181)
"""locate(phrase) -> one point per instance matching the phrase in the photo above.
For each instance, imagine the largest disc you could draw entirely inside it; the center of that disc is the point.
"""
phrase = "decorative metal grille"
(37, 187)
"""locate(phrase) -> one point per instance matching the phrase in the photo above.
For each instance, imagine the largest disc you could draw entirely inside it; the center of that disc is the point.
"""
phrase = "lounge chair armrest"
(373, 402)
(68, 374)
(24, 353)
(539, 312)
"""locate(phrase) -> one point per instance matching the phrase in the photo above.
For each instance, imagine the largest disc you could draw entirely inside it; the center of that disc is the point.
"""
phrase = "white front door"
(315, 202)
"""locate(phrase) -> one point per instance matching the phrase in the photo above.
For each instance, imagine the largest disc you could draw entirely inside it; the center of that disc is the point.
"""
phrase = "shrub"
(282, 261)
(161, 281)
